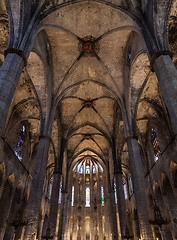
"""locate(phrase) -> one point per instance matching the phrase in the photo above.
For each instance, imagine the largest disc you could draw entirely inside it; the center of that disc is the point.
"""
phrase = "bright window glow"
(115, 192)
(20, 142)
(72, 199)
(87, 171)
(155, 144)
(125, 189)
(102, 196)
(87, 197)
(94, 170)
(60, 194)
(50, 187)
(130, 185)
(101, 169)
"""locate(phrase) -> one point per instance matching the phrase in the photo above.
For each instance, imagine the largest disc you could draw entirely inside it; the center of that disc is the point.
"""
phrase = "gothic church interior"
(88, 119)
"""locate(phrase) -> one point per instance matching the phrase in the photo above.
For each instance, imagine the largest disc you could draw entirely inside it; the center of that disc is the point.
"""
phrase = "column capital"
(157, 55)
(131, 137)
(19, 52)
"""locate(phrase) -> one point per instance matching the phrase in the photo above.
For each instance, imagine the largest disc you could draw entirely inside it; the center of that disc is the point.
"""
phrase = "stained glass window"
(102, 196)
(60, 194)
(155, 144)
(87, 171)
(87, 197)
(125, 189)
(94, 170)
(20, 142)
(129, 56)
(130, 185)
(72, 198)
(115, 192)
(50, 187)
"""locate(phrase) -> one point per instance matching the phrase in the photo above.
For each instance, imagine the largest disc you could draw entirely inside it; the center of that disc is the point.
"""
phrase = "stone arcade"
(88, 119)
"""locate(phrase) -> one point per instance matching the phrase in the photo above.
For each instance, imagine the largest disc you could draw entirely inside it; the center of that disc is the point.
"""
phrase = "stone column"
(36, 190)
(113, 213)
(91, 215)
(12, 223)
(75, 209)
(19, 231)
(121, 201)
(54, 203)
(107, 218)
(10, 72)
(99, 211)
(167, 77)
(63, 211)
(5, 205)
(139, 187)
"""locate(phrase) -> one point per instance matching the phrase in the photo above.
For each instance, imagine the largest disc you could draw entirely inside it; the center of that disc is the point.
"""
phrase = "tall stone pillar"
(54, 204)
(114, 217)
(121, 201)
(167, 77)
(36, 190)
(10, 72)
(63, 211)
(99, 211)
(11, 222)
(139, 187)
(5, 205)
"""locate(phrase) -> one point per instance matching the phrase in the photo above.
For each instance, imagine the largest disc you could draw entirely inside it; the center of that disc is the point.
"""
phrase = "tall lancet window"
(87, 197)
(125, 189)
(72, 197)
(155, 144)
(102, 196)
(50, 187)
(20, 142)
(87, 170)
(115, 192)
(60, 194)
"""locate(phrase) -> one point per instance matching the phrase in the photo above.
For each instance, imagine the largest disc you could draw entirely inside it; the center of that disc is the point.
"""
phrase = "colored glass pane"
(125, 189)
(20, 142)
(87, 171)
(50, 187)
(155, 144)
(102, 196)
(72, 198)
(60, 194)
(115, 192)
(87, 197)
(94, 170)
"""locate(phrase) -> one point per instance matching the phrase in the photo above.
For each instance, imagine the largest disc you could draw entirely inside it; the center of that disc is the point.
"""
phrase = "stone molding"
(19, 52)
(157, 55)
